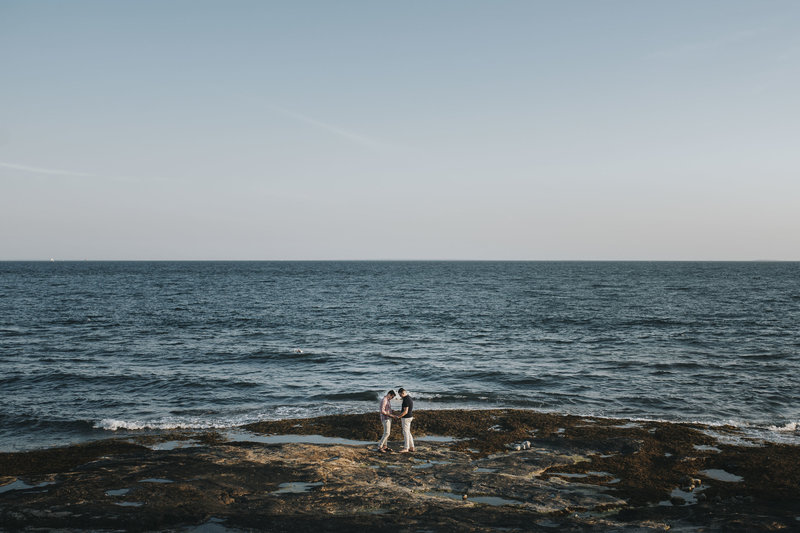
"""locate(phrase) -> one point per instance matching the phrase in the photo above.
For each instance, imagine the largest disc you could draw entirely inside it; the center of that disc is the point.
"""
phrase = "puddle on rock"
(155, 480)
(246, 436)
(706, 448)
(486, 500)
(174, 445)
(566, 474)
(629, 425)
(21, 485)
(117, 492)
(129, 504)
(429, 464)
(689, 498)
(213, 525)
(493, 500)
(296, 487)
(486, 470)
(435, 438)
(721, 475)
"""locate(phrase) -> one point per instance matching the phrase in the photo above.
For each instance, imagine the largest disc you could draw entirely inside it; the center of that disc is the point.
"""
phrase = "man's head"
(402, 392)
(390, 394)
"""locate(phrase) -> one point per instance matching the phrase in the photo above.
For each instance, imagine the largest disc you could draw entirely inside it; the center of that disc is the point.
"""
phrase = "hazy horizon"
(511, 130)
(53, 260)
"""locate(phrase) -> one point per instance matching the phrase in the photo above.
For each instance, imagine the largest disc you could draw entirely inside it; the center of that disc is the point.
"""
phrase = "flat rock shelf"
(572, 474)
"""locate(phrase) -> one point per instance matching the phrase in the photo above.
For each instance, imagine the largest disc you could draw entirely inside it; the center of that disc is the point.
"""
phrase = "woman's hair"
(391, 393)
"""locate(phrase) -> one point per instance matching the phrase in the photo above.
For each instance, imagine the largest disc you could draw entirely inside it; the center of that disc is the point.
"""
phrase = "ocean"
(90, 350)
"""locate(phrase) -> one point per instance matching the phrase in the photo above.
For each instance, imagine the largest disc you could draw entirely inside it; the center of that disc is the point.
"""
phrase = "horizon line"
(53, 260)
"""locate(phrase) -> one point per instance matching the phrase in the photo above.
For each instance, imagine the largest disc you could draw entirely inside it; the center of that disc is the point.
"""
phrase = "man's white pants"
(387, 427)
(405, 423)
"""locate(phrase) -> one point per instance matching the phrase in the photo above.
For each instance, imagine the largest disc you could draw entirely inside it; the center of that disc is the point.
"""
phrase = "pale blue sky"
(400, 130)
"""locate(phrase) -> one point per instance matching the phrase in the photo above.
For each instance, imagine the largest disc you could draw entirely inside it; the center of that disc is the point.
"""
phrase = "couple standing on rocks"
(405, 417)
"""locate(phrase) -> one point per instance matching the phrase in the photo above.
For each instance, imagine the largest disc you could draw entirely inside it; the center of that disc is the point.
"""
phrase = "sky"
(316, 130)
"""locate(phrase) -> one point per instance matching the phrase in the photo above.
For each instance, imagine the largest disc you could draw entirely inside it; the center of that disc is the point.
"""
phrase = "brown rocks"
(570, 478)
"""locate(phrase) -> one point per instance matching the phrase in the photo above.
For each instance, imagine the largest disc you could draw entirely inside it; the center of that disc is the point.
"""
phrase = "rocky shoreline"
(569, 474)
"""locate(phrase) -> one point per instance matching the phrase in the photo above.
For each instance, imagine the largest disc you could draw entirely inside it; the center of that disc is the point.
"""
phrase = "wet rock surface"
(578, 474)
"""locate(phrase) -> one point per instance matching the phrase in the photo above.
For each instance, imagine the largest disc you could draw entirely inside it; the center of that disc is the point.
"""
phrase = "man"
(406, 417)
(386, 419)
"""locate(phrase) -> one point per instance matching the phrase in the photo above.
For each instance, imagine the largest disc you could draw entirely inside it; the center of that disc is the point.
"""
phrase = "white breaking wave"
(790, 427)
(278, 413)
(112, 424)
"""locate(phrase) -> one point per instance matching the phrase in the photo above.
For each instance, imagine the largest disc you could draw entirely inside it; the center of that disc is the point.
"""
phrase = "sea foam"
(790, 427)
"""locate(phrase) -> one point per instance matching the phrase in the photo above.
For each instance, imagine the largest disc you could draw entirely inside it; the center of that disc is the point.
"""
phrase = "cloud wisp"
(42, 171)
(47, 171)
(361, 140)
(709, 47)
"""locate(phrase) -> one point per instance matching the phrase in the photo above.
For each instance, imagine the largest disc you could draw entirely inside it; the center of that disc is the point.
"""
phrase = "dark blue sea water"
(94, 349)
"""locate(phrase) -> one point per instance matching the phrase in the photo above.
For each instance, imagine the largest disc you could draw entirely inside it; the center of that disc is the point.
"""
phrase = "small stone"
(701, 497)
(697, 482)
(517, 447)
(675, 500)
(464, 497)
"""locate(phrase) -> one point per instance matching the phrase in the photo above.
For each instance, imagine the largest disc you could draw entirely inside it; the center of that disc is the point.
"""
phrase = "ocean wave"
(113, 424)
(223, 421)
(298, 354)
(366, 396)
(789, 427)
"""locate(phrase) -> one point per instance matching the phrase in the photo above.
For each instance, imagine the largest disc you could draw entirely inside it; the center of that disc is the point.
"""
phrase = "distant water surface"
(90, 348)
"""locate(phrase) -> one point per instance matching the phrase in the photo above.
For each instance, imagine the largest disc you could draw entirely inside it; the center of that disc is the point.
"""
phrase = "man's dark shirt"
(408, 402)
